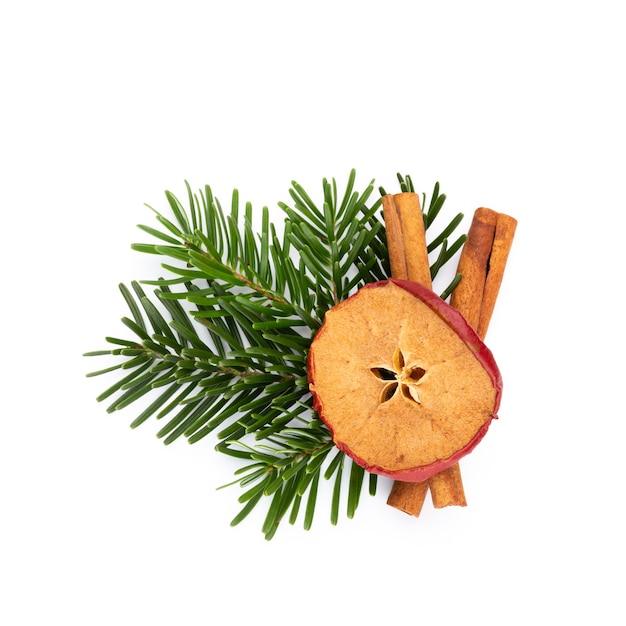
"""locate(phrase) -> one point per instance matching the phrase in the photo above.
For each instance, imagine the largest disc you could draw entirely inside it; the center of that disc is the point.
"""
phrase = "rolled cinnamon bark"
(408, 258)
(406, 238)
(481, 264)
(408, 497)
(473, 264)
(446, 488)
(502, 242)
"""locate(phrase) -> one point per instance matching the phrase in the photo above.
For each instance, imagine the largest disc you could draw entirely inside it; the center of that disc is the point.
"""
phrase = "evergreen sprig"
(221, 345)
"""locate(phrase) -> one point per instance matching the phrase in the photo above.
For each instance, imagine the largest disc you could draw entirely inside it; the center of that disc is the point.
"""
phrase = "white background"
(514, 106)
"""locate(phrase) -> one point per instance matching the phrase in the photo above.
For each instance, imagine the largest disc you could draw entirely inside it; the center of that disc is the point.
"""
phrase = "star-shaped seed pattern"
(402, 379)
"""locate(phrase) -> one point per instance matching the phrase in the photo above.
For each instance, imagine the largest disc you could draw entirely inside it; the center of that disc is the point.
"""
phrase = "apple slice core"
(402, 381)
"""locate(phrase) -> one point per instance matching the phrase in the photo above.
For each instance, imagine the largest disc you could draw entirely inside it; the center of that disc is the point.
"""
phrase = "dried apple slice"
(403, 382)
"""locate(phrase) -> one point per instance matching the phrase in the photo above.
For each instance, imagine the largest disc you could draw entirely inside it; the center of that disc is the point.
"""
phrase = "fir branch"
(221, 343)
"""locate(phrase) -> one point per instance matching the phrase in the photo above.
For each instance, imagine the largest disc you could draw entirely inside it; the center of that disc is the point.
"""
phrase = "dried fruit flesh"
(403, 382)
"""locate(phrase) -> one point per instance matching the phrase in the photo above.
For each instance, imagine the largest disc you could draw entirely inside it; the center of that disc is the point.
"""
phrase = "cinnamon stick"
(502, 241)
(408, 257)
(408, 497)
(446, 488)
(482, 263)
(406, 238)
(473, 263)
(395, 238)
